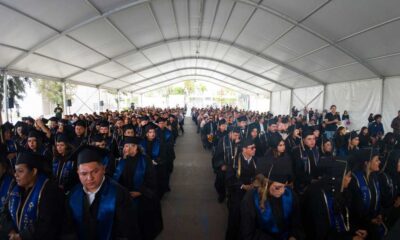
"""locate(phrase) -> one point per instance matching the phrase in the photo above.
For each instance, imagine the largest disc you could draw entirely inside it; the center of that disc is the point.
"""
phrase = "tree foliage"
(53, 91)
(16, 88)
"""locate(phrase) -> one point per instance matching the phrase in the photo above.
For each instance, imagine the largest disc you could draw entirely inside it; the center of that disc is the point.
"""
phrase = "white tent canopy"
(303, 52)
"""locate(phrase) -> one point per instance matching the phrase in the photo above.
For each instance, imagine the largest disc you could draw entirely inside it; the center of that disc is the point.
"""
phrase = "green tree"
(53, 91)
(202, 88)
(189, 86)
(16, 89)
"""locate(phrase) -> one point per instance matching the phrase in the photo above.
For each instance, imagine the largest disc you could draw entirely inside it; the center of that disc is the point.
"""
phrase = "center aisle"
(191, 210)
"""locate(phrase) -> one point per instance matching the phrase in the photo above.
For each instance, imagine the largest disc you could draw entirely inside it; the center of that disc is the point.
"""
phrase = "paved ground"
(191, 210)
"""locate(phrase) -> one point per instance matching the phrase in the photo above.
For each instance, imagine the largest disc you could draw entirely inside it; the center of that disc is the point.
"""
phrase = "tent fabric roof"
(255, 46)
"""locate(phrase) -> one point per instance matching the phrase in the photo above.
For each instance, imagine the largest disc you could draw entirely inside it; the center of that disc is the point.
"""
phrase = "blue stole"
(30, 210)
(336, 220)
(155, 152)
(138, 177)
(5, 189)
(106, 211)
(266, 217)
(106, 161)
(11, 148)
(366, 192)
(167, 133)
(67, 167)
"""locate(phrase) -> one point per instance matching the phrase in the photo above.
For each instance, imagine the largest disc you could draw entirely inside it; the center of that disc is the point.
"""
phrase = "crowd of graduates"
(87, 176)
(300, 177)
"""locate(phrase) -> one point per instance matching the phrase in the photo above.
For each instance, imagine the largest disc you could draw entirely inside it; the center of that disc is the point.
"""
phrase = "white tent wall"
(391, 103)
(280, 102)
(359, 98)
(312, 97)
(259, 103)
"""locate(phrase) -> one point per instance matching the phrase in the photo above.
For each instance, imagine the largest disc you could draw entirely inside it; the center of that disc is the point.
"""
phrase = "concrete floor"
(191, 210)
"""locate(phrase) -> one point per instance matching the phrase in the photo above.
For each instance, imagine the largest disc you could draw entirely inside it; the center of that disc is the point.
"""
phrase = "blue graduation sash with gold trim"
(105, 213)
(30, 210)
(267, 220)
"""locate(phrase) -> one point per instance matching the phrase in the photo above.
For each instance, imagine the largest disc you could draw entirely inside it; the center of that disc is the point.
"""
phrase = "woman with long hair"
(271, 210)
(365, 139)
(366, 194)
(64, 166)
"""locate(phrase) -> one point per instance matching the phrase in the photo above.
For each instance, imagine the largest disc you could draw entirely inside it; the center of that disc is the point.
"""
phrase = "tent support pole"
(5, 95)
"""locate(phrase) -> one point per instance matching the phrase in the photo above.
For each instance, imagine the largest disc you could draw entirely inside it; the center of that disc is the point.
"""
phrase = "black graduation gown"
(362, 218)
(124, 223)
(78, 141)
(167, 152)
(250, 219)
(48, 223)
(317, 214)
(304, 172)
(236, 194)
(284, 161)
(148, 204)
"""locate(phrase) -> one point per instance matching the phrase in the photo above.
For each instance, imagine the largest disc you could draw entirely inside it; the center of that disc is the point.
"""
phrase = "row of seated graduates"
(58, 141)
(304, 152)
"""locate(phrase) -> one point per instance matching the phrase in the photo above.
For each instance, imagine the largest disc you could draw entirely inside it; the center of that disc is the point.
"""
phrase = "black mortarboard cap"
(144, 118)
(63, 122)
(34, 134)
(242, 118)
(222, 122)
(279, 173)
(132, 140)
(307, 132)
(236, 130)
(62, 138)
(272, 121)
(53, 119)
(87, 154)
(365, 155)
(97, 138)
(247, 142)
(80, 123)
(150, 126)
(7, 126)
(275, 140)
(161, 119)
(31, 159)
(104, 124)
(128, 126)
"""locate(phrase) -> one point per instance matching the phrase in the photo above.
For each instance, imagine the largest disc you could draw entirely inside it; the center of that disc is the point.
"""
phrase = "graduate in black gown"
(98, 208)
(167, 152)
(277, 155)
(35, 204)
(305, 161)
(329, 207)
(80, 134)
(389, 180)
(64, 166)
(226, 151)
(239, 180)
(136, 173)
(152, 146)
(271, 210)
(254, 133)
(108, 157)
(366, 205)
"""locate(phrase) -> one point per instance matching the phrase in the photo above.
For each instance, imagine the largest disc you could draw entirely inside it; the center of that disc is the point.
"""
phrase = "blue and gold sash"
(267, 220)
(155, 152)
(5, 189)
(30, 208)
(66, 169)
(140, 170)
(366, 192)
(336, 220)
(105, 213)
